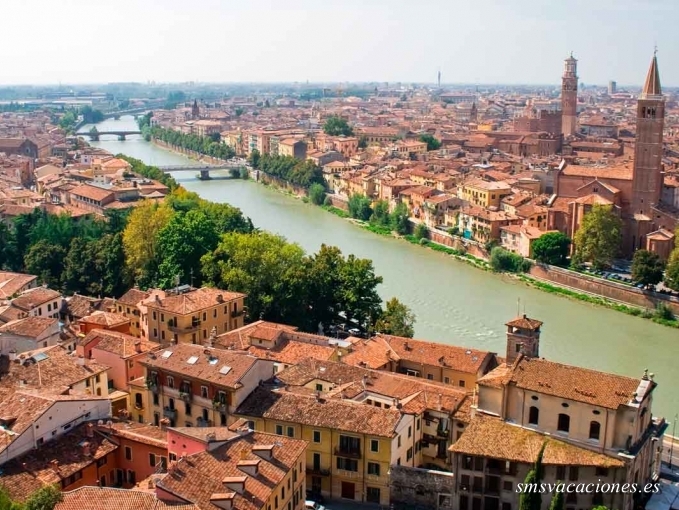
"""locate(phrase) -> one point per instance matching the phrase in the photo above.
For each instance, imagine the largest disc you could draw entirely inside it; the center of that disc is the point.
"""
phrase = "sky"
(469, 41)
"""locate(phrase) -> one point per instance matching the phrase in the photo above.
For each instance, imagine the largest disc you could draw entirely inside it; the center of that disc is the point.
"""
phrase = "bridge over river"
(202, 168)
(94, 136)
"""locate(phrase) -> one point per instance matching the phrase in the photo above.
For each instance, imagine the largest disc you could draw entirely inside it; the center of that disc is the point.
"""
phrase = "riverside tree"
(598, 238)
(551, 248)
(647, 268)
(397, 319)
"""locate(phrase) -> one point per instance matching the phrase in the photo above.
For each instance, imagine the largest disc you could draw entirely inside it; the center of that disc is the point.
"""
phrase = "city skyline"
(378, 41)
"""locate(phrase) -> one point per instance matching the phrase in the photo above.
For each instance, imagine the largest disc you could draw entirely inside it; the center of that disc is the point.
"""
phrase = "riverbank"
(660, 314)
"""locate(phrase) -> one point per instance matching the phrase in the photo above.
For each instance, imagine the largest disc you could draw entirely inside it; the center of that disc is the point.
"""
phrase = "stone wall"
(471, 247)
(415, 489)
(339, 202)
(260, 176)
(604, 288)
(191, 154)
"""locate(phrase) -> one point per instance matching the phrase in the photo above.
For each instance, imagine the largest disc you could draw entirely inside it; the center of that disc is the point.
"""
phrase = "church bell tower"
(569, 97)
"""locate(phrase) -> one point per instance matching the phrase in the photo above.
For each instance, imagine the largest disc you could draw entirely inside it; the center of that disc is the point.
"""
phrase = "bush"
(327, 201)
(491, 244)
(502, 260)
(359, 207)
(664, 312)
(454, 231)
(316, 193)
(421, 231)
(244, 173)
(234, 172)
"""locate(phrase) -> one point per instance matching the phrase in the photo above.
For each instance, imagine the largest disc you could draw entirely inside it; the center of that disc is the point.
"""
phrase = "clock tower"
(569, 97)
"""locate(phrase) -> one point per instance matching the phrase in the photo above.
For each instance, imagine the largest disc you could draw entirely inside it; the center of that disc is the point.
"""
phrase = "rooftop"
(193, 301)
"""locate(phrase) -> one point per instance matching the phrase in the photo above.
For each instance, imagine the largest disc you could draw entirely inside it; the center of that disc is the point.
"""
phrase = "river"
(454, 303)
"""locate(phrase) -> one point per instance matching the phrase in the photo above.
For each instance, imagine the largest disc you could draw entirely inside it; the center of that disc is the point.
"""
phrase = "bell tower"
(648, 147)
(569, 97)
(523, 337)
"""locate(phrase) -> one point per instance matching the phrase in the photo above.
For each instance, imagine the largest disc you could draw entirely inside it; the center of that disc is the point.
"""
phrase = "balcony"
(186, 396)
(218, 406)
(153, 386)
(237, 313)
(170, 413)
(348, 453)
(200, 422)
(442, 433)
(194, 326)
(317, 471)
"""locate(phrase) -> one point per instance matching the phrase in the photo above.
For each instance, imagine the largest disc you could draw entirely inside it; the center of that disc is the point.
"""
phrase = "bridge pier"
(204, 175)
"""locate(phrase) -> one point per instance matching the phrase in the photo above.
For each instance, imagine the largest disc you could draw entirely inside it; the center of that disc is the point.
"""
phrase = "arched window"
(594, 430)
(564, 423)
(533, 415)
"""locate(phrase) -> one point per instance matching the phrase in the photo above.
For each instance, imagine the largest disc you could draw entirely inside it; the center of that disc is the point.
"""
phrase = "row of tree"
(45, 498)
(70, 117)
(290, 169)
(207, 145)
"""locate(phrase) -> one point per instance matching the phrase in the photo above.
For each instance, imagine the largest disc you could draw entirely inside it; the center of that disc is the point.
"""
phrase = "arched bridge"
(202, 168)
(120, 134)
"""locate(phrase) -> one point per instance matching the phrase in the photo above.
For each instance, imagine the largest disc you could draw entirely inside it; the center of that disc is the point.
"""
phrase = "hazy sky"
(471, 41)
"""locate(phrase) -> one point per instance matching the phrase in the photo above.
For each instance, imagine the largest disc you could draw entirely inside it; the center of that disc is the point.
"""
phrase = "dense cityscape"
(160, 349)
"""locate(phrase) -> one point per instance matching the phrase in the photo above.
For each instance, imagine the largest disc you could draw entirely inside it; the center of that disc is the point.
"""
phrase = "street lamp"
(674, 430)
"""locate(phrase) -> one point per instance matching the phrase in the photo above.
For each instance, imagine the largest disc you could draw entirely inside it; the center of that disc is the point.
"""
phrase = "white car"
(312, 505)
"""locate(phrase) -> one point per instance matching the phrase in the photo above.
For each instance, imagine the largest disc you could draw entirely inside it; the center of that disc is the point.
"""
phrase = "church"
(632, 187)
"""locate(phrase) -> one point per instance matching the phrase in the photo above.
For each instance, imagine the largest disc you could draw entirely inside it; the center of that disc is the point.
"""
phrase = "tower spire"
(652, 85)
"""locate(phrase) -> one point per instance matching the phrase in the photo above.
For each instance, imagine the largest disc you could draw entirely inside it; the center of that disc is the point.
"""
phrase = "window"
(461, 383)
(409, 453)
(156, 401)
(533, 415)
(187, 409)
(560, 473)
(594, 430)
(399, 441)
(601, 471)
(410, 430)
(508, 485)
(319, 387)
(203, 392)
(317, 436)
(347, 464)
(170, 381)
(446, 380)
(279, 430)
(372, 495)
(173, 457)
(204, 316)
(152, 459)
(128, 453)
(506, 506)
(464, 502)
(373, 468)
(564, 423)
(430, 377)
(597, 499)
(573, 473)
(102, 462)
(291, 431)
(374, 445)
(417, 424)
(572, 498)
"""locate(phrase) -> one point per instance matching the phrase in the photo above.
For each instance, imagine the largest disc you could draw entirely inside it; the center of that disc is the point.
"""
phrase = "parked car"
(312, 505)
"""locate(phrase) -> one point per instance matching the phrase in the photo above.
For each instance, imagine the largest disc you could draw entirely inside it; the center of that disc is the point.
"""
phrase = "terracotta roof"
(92, 192)
(491, 437)
(374, 353)
(458, 358)
(79, 306)
(524, 322)
(117, 343)
(206, 434)
(31, 327)
(194, 301)
(139, 432)
(652, 84)
(293, 351)
(18, 412)
(107, 319)
(199, 477)
(203, 367)
(32, 298)
(11, 283)
(622, 172)
(98, 498)
(337, 414)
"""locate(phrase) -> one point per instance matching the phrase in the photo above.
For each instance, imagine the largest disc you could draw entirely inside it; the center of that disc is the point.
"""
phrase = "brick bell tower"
(647, 175)
(569, 97)
(523, 337)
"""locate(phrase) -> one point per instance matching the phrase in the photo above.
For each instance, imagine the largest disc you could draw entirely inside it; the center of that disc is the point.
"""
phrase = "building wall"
(138, 467)
(19, 343)
(422, 488)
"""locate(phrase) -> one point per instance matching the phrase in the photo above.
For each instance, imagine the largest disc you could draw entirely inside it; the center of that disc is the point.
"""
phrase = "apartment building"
(21, 335)
(484, 193)
(129, 305)
(188, 315)
(192, 385)
(39, 302)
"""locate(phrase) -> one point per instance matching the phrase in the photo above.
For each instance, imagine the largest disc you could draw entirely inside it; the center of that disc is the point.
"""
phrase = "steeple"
(652, 85)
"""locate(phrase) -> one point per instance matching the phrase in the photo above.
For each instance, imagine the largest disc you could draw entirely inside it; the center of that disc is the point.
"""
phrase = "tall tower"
(523, 337)
(569, 96)
(648, 147)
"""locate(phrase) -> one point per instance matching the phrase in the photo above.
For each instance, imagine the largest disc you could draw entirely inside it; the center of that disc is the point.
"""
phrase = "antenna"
(191, 277)
(518, 306)
(655, 49)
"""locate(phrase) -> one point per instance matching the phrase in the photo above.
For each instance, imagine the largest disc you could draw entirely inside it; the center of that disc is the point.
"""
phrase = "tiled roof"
(98, 498)
(121, 344)
(18, 412)
(524, 322)
(92, 192)
(80, 306)
(193, 301)
(10, 283)
(494, 438)
(337, 414)
(206, 367)
(29, 326)
(105, 319)
(139, 432)
(33, 298)
(199, 477)
(623, 172)
(462, 359)
(374, 353)
(133, 297)
(291, 352)
(206, 434)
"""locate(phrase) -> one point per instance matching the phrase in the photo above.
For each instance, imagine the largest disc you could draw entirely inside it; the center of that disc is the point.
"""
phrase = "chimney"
(251, 467)
(12, 355)
(235, 483)
(81, 360)
(440, 402)
(264, 451)
(86, 448)
(90, 430)
(54, 464)
(220, 298)
(137, 346)
(223, 500)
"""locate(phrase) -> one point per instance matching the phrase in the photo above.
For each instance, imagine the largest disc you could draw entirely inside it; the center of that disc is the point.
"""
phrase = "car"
(312, 505)
(314, 496)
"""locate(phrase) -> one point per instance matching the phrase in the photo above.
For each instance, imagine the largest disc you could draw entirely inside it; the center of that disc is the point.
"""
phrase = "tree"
(551, 248)
(557, 500)
(598, 238)
(380, 214)
(502, 260)
(530, 500)
(362, 142)
(317, 193)
(397, 319)
(45, 260)
(421, 231)
(359, 207)
(647, 268)
(672, 271)
(432, 142)
(337, 126)
(45, 498)
(254, 158)
(399, 219)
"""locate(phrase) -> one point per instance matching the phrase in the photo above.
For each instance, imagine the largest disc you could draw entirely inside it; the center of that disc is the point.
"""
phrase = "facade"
(27, 334)
(186, 315)
(484, 193)
(569, 97)
(39, 302)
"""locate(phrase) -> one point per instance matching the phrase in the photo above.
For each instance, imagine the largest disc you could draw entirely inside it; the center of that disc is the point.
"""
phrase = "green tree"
(317, 193)
(557, 502)
(502, 260)
(254, 158)
(45, 498)
(397, 319)
(432, 142)
(647, 268)
(530, 500)
(359, 301)
(399, 219)
(672, 271)
(421, 231)
(45, 260)
(337, 126)
(551, 248)
(80, 270)
(380, 214)
(362, 142)
(359, 207)
(598, 238)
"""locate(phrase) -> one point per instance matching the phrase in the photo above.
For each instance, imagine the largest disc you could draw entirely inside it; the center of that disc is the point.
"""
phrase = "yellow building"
(351, 444)
(186, 315)
(484, 193)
